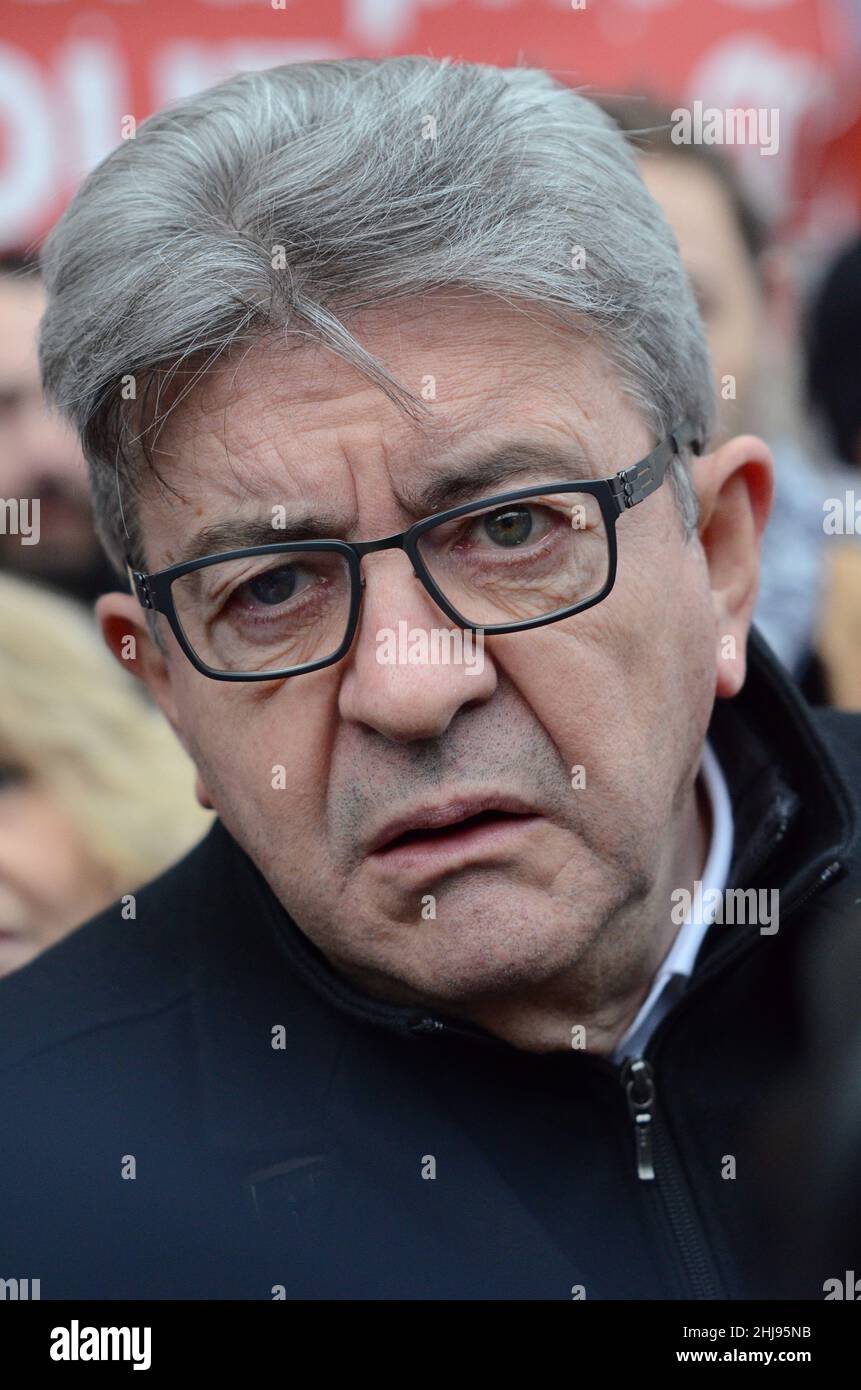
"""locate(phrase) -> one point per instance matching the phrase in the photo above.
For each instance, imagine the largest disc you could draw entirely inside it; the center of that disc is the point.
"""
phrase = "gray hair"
(281, 202)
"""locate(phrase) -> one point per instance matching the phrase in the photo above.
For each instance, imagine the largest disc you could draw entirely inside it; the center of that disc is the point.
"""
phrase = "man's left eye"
(512, 526)
(515, 525)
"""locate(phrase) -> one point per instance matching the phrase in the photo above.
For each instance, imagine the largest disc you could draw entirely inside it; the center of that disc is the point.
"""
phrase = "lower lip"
(445, 850)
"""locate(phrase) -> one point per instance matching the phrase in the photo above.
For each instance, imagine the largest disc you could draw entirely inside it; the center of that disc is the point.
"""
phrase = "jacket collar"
(794, 818)
(794, 812)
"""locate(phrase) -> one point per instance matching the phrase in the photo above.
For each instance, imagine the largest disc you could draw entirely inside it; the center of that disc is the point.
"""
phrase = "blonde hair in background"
(81, 728)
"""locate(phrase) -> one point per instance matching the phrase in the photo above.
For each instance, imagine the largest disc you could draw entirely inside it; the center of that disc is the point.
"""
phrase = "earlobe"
(202, 794)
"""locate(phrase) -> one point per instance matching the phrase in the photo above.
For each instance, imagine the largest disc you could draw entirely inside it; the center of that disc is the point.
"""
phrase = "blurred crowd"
(96, 794)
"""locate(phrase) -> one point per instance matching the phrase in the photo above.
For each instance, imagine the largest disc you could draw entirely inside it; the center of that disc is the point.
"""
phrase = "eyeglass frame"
(615, 495)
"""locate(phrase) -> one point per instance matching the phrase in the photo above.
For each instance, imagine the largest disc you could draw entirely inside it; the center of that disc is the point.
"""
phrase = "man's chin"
(460, 959)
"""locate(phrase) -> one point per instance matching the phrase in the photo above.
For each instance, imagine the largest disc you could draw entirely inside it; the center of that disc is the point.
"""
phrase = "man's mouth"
(456, 829)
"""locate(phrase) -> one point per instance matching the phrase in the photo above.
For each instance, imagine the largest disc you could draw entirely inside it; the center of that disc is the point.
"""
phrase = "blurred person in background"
(743, 289)
(833, 380)
(40, 457)
(96, 794)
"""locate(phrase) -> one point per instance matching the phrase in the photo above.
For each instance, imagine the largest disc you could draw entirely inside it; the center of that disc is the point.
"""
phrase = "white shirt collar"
(679, 960)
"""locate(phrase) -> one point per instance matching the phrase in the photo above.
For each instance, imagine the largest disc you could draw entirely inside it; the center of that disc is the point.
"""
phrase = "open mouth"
(456, 829)
(472, 836)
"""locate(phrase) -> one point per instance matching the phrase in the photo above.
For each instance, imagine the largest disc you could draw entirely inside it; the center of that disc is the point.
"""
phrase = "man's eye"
(514, 525)
(272, 587)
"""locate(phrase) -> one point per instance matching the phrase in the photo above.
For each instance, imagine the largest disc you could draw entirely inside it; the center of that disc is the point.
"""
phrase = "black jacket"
(145, 1046)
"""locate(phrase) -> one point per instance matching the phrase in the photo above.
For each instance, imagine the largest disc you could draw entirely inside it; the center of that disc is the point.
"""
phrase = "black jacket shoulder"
(132, 960)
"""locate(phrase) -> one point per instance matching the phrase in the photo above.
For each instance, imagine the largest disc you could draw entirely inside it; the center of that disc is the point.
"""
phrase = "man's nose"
(410, 669)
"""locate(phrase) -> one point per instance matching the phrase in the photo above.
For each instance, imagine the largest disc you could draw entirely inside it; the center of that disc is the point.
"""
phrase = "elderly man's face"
(623, 691)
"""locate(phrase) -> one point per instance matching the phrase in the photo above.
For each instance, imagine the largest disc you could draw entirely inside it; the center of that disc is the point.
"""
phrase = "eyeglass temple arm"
(635, 483)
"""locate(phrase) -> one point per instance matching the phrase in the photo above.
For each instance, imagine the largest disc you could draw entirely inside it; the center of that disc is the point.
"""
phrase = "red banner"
(76, 77)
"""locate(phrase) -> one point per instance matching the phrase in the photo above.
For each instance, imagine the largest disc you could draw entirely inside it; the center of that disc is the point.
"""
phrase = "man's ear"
(126, 631)
(735, 485)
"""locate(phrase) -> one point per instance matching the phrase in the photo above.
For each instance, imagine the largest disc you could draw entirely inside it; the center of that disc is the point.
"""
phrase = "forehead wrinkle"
(447, 448)
(258, 448)
(403, 445)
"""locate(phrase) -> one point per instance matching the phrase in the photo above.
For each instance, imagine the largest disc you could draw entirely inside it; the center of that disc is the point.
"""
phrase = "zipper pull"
(638, 1081)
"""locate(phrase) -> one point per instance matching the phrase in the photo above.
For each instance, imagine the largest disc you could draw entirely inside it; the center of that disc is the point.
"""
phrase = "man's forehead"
(442, 347)
(260, 433)
(329, 463)
(278, 403)
(246, 451)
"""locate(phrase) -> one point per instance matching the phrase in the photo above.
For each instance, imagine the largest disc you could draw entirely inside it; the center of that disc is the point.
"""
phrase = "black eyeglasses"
(505, 564)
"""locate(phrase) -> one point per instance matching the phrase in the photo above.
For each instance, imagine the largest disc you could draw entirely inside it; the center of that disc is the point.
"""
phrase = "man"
(370, 353)
(46, 524)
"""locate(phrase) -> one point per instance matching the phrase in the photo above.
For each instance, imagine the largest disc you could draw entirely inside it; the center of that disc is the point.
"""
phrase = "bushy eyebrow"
(238, 534)
(484, 474)
(456, 481)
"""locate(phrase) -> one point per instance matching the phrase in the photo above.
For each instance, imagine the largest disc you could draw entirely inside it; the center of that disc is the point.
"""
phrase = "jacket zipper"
(638, 1080)
(639, 1083)
(828, 873)
(655, 1161)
